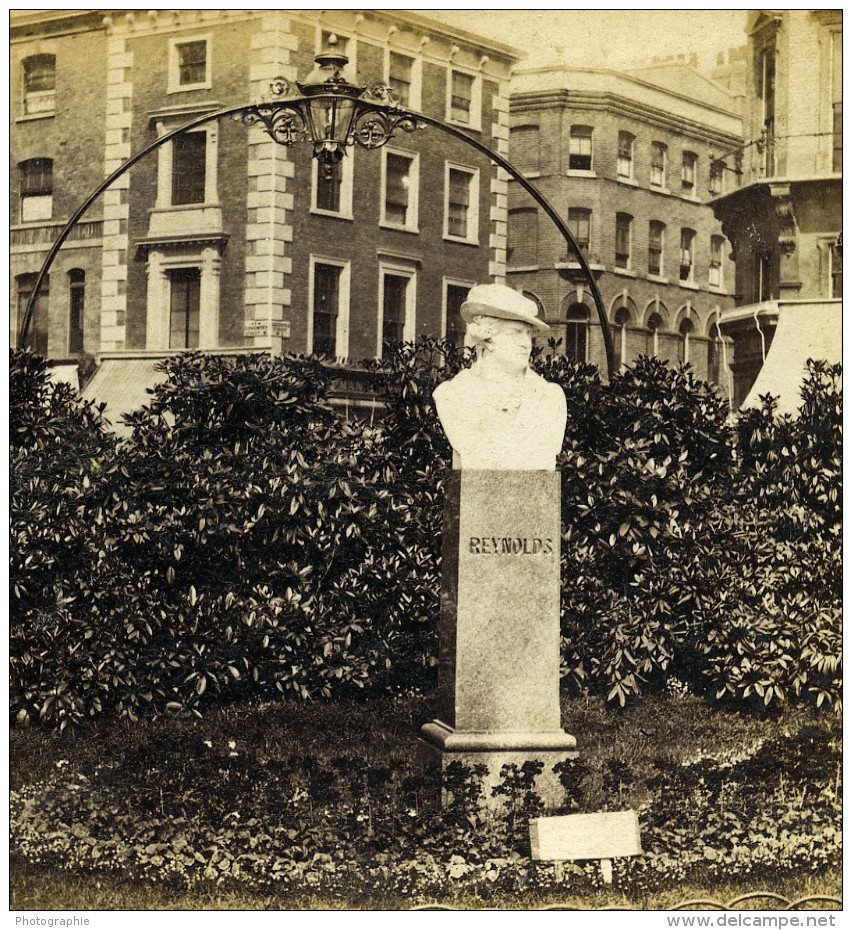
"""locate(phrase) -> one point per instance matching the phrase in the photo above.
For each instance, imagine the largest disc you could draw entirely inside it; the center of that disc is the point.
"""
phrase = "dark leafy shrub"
(58, 455)
(245, 542)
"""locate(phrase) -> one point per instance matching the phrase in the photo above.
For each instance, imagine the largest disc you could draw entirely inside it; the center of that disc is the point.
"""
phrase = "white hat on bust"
(503, 303)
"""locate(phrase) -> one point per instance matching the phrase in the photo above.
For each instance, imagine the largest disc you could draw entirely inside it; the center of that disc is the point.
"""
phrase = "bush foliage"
(247, 542)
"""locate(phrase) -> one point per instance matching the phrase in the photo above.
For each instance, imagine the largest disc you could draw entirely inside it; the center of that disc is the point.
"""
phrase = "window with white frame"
(687, 178)
(716, 248)
(39, 74)
(184, 307)
(623, 225)
(656, 242)
(189, 63)
(625, 155)
(189, 168)
(36, 178)
(465, 99)
(461, 214)
(331, 191)
(580, 148)
(403, 77)
(329, 298)
(687, 254)
(397, 306)
(659, 156)
(400, 190)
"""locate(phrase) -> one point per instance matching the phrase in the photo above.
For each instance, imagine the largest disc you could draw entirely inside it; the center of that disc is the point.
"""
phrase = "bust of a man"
(499, 414)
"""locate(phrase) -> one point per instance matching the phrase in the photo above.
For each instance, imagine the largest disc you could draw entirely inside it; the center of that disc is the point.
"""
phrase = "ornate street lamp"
(333, 112)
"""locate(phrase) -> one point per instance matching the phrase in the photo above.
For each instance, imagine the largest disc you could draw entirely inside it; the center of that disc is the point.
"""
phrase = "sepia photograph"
(425, 480)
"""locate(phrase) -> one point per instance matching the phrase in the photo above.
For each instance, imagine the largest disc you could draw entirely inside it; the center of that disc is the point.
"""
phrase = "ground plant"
(268, 808)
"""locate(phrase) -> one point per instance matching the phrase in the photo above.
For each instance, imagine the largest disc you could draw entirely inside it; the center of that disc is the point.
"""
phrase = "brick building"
(785, 219)
(222, 239)
(625, 159)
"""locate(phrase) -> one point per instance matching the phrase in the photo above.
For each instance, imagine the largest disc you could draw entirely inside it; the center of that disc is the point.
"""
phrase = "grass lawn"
(331, 805)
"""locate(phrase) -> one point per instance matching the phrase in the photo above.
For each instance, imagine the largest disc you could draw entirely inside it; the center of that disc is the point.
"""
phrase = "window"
(716, 183)
(836, 266)
(328, 186)
(36, 176)
(522, 237)
(401, 78)
(39, 84)
(326, 301)
(837, 101)
(580, 226)
(656, 236)
(184, 307)
(189, 64)
(659, 154)
(655, 323)
(625, 155)
(687, 177)
(761, 276)
(623, 223)
(76, 306)
(687, 255)
(465, 97)
(456, 295)
(189, 156)
(580, 148)
(462, 204)
(686, 331)
(37, 332)
(577, 333)
(397, 307)
(399, 207)
(621, 319)
(766, 93)
(716, 247)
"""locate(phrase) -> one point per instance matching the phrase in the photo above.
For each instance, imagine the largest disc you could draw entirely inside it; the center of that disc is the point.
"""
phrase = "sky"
(605, 38)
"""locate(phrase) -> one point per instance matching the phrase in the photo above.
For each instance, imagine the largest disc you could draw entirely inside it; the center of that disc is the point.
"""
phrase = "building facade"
(625, 159)
(223, 239)
(784, 220)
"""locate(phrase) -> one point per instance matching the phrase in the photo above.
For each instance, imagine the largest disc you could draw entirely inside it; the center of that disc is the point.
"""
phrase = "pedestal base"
(496, 749)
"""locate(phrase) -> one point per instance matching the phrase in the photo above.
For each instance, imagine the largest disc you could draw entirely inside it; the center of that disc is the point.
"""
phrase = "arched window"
(36, 176)
(621, 318)
(76, 306)
(39, 73)
(686, 331)
(577, 332)
(655, 324)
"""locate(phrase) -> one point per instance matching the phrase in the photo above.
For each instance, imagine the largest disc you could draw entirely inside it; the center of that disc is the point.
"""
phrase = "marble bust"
(499, 414)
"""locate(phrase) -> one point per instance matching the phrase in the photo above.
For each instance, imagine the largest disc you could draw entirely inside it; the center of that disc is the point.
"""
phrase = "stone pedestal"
(498, 674)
